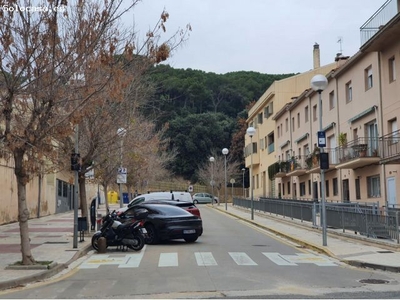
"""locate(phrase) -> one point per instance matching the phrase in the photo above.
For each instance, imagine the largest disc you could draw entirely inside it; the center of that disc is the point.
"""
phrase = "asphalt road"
(232, 259)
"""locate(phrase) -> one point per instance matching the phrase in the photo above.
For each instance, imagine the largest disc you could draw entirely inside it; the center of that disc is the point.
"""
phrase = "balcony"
(278, 169)
(390, 148)
(312, 161)
(297, 165)
(358, 153)
(383, 15)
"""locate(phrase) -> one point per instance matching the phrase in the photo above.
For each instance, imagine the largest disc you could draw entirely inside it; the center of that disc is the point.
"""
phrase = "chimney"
(316, 58)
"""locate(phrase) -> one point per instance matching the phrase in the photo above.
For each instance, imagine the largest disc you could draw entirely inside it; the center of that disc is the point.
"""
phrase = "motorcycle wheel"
(95, 239)
(139, 242)
(152, 234)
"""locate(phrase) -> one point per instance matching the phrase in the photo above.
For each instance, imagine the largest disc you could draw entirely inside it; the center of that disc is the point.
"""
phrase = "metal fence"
(368, 220)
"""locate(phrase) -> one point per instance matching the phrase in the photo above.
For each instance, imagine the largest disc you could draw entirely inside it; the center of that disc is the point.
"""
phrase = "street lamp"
(251, 131)
(121, 133)
(318, 84)
(243, 170)
(212, 180)
(225, 152)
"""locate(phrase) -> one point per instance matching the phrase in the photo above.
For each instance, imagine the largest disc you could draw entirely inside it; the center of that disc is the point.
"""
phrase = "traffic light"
(75, 162)
(324, 161)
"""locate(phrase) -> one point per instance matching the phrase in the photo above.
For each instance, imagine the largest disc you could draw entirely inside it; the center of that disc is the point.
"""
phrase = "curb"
(309, 245)
(46, 273)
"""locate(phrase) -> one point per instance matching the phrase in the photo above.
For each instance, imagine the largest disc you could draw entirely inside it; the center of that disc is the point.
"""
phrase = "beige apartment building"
(360, 107)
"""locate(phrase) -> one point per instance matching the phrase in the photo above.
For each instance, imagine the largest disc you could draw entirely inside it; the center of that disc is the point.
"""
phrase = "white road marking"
(278, 259)
(205, 259)
(242, 259)
(168, 260)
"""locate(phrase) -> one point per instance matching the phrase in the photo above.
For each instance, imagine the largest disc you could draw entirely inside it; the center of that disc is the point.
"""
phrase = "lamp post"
(212, 180)
(251, 131)
(225, 152)
(318, 84)
(121, 132)
(243, 170)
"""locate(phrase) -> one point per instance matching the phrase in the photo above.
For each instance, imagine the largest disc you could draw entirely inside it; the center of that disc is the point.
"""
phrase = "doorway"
(346, 190)
(391, 192)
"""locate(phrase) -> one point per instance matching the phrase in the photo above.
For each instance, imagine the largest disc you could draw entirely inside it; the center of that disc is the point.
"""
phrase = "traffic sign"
(232, 181)
(321, 139)
(122, 174)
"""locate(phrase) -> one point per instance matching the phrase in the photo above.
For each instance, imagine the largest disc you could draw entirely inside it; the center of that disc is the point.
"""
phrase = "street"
(232, 259)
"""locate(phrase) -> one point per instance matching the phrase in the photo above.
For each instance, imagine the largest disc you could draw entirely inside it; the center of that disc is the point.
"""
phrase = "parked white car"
(176, 196)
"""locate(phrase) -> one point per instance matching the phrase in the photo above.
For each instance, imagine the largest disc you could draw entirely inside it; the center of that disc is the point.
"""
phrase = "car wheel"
(152, 234)
(191, 239)
(195, 202)
(215, 201)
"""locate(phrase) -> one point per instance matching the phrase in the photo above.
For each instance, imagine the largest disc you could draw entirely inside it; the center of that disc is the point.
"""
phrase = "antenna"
(340, 41)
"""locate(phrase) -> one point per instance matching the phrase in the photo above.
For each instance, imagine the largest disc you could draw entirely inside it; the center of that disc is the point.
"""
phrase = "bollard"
(102, 244)
(98, 221)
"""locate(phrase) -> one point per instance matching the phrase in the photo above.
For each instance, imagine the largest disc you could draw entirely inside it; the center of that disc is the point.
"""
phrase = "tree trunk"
(23, 212)
(82, 195)
(106, 197)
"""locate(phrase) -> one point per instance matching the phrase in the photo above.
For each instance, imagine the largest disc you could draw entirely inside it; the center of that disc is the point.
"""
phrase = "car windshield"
(135, 202)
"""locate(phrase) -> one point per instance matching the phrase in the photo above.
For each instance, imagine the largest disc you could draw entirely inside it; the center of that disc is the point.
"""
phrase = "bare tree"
(53, 65)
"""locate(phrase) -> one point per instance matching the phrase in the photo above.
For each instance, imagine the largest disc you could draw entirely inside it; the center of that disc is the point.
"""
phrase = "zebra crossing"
(205, 259)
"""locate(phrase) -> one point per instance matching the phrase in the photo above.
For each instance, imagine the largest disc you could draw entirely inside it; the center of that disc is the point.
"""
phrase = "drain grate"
(385, 251)
(374, 281)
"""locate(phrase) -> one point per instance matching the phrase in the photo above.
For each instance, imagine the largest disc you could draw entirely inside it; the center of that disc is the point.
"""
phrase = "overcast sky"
(266, 36)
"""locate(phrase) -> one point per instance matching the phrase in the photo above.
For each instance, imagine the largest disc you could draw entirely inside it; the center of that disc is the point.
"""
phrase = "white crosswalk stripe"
(242, 259)
(204, 259)
(168, 260)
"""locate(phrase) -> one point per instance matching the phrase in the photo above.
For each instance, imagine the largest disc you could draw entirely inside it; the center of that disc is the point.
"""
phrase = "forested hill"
(202, 110)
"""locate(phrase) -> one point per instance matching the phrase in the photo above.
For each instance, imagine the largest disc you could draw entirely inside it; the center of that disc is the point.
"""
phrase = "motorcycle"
(129, 234)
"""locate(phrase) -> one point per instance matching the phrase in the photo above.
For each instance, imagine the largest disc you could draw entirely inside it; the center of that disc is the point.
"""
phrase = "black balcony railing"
(390, 145)
(360, 147)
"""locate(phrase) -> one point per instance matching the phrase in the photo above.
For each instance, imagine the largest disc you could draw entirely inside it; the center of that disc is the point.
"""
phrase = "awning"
(304, 136)
(285, 144)
(360, 115)
(329, 126)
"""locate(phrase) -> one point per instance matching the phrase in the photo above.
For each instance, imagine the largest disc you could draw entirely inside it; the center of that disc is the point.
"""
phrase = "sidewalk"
(346, 246)
(52, 240)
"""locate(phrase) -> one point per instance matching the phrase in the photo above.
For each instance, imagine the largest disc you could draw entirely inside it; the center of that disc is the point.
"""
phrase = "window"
(302, 189)
(288, 187)
(392, 69)
(349, 92)
(358, 192)
(374, 186)
(283, 189)
(314, 109)
(59, 187)
(331, 100)
(279, 132)
(270, 141)
(258, 181)
(298, 120)
(368, 78)
(286, 124)
(292, 124)
(306, 114)
(335, 186)
(260, 118)
(309, 187)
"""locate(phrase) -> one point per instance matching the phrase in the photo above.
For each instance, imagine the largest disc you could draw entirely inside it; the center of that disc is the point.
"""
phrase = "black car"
(167, 222)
